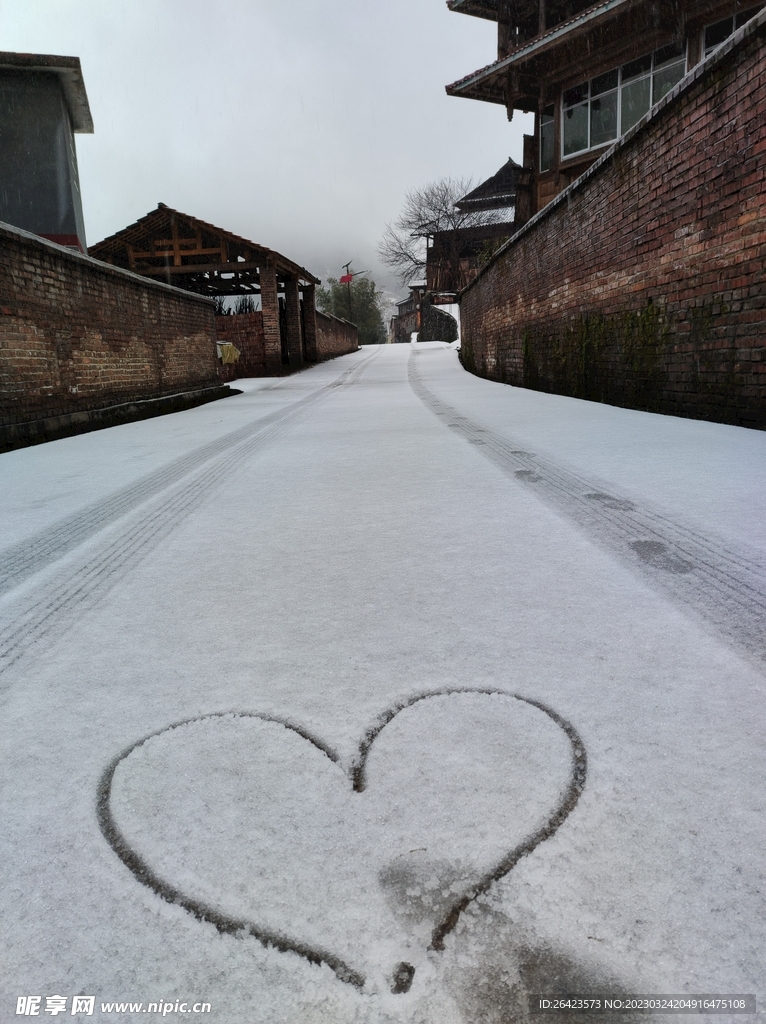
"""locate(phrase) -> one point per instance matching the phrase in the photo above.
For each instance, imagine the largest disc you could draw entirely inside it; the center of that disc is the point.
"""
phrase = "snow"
(249, 817)
(236, 637)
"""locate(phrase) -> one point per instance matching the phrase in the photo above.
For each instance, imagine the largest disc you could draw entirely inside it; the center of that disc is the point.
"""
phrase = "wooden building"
(588, 72)
(408, 318)
(187, 252)
(455, 256)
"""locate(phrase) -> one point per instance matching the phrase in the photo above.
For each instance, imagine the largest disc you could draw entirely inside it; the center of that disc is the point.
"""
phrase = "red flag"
(347, 279)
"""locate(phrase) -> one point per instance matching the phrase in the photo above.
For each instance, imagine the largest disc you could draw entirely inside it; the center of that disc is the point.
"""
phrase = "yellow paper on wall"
(229, 353)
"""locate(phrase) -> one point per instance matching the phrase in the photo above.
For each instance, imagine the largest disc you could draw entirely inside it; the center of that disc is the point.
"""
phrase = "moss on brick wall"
(643, 285)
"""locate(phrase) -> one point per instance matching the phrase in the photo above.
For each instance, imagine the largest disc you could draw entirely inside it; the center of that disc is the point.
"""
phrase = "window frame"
(738, 19)
(551, 120)
(649, 74)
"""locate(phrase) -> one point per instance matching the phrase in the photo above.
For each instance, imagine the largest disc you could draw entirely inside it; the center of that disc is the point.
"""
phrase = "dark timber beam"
(203, 268)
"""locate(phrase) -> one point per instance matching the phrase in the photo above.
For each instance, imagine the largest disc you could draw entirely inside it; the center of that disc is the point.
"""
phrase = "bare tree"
(429, 211)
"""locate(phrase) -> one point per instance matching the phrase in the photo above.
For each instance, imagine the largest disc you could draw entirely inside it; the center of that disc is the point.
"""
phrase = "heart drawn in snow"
(255, 825)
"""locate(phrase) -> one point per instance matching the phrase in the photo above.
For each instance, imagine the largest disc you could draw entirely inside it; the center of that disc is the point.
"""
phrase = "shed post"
(293, 318)
(310, 322)
(272, 345)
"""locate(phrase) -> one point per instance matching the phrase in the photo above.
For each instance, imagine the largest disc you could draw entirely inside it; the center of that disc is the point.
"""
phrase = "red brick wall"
(245, 332)
(76, 334)
(642, 284)
(335, 337)
(272, 338)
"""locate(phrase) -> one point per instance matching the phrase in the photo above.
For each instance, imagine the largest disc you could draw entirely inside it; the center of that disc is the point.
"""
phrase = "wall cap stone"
(332, 316)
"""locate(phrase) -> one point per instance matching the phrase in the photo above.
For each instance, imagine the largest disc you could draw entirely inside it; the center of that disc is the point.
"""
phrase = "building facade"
(408, 318)
(641, 284)
(588, 72)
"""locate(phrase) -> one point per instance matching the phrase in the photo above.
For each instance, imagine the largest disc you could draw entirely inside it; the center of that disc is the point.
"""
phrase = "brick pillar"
(293, 316)
(272, 345)
(310, 322)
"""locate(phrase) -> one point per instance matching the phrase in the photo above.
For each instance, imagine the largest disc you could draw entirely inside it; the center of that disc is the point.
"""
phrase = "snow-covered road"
(383, 693)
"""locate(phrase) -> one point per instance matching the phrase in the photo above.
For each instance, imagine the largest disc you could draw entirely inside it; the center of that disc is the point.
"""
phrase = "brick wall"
(270, 314)
(77, 335)
(335, 337)
(642, 284)
(245, 332)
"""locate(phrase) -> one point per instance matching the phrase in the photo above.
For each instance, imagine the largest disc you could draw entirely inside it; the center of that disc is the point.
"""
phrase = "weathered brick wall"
(643, 285)
(245, 332)
(76, 334)
(335, 337)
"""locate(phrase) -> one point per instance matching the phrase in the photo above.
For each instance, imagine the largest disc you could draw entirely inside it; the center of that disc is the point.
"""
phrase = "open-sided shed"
(187, 252)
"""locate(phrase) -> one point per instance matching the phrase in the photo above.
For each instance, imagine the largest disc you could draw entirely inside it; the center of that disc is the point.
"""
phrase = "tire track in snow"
(49, 609)
(24, 559)
(727, 587)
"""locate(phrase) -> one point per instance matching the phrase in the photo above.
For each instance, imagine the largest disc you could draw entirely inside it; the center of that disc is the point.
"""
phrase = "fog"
(298, 124)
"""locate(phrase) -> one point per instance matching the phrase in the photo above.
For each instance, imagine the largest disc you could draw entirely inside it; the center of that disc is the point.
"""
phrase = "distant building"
(407, 320)
(420, 314)
(588, 72)
(454, 257)
(42, 104)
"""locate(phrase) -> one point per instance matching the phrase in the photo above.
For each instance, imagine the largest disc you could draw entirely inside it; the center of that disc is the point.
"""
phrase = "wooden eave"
(604, 33)
(69, 73)
(176, 247)
(533, 61)
(486, 9)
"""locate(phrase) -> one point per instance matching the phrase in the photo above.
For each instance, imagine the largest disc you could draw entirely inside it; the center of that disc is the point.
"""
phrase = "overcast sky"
(299, 124)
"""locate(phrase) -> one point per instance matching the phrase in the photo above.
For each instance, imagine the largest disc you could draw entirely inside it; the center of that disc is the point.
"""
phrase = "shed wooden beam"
(204, 268)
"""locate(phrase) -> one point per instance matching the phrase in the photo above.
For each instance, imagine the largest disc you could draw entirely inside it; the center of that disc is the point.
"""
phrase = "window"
(546, 139)
(669, 69)
(601, 110)
(576, 104)
(719, 32)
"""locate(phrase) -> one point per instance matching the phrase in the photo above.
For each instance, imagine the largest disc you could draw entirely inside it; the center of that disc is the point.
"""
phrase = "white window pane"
(575, 124)
(665, 79)
(634, 102)
(575, 95)
(546, 142)
(604, 83)
(603, 119)
(670, 54)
